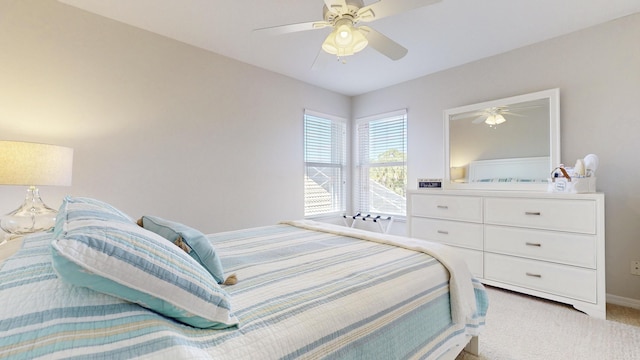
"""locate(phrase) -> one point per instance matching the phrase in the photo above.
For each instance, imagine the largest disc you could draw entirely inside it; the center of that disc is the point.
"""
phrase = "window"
(382, 164)
(325, 153)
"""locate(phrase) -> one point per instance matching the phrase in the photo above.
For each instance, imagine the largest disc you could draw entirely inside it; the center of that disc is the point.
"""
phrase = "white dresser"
(547, 245)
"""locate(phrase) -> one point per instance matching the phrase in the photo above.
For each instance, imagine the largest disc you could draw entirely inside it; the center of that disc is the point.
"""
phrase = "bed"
(304, 290)
(521, 170)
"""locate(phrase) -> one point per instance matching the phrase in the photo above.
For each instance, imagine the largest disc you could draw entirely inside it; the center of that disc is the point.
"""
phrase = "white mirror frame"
(553, 95)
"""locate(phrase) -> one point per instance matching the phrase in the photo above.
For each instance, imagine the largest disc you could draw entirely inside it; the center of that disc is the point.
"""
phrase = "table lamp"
(457, 174)
(32, 164)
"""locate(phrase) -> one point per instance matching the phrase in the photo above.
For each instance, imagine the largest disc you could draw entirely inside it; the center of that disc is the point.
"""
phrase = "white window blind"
(325, 153)
(382, 164)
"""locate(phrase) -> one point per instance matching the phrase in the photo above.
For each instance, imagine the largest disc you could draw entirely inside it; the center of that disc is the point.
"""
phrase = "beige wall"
(598, 73)
(157, 126)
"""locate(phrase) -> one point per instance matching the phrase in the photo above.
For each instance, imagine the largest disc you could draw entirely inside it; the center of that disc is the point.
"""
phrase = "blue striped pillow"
(129, 262)
(200, 247)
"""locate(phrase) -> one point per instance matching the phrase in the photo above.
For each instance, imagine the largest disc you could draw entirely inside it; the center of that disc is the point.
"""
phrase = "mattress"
(304, 290)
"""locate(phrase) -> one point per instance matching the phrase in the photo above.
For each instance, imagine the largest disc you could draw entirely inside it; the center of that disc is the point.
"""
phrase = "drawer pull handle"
(533, 244)
(534, 213)
(443, 232)
(443, 207)
(534, 275)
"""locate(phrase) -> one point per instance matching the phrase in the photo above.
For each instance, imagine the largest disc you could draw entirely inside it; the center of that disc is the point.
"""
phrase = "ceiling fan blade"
(336, 6)
(290, 28)
(479, 119)
(510, 113)
(467, 115)
(527, 107)
(383, 44)
(384, 8)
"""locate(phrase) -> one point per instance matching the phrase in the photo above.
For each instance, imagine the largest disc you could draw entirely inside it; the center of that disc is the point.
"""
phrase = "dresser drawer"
(560, 247)
(563, 280)
(463, 208)
(551, 214)
(448, 232)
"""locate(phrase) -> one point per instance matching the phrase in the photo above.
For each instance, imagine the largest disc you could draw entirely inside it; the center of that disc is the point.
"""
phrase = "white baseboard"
(623, 301)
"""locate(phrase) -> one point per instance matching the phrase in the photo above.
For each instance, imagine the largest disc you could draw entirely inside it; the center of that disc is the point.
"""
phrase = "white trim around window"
(326, 164)
(380, 158)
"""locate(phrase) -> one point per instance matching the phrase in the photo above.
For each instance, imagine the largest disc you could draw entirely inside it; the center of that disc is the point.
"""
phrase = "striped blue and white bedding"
(303, 292)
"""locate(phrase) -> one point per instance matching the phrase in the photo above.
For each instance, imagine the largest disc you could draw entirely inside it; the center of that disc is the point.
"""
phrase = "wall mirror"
(504, 144)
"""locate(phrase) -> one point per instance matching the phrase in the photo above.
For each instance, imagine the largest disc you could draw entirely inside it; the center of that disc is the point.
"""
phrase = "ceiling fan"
(494, 116)
(497, 115)
(347, 36)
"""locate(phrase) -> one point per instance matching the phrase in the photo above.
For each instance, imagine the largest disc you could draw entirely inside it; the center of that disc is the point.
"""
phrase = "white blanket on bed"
(463, 305)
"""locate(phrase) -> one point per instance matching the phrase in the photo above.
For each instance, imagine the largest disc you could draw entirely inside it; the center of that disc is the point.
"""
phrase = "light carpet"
(520, 327)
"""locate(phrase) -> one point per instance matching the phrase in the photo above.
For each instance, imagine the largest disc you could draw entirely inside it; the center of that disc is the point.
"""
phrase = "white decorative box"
(572, 185)
(574, 180)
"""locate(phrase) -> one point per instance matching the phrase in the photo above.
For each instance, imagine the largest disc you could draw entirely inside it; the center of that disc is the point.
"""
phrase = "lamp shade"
(457, 173)
(25, 163)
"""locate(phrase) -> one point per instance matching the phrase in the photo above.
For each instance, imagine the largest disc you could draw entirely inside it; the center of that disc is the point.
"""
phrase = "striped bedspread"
(302, 293)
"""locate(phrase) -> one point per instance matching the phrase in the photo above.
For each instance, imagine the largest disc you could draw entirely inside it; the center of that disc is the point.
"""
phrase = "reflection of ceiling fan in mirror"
(494, 116)
(497, 115)
(347, 37)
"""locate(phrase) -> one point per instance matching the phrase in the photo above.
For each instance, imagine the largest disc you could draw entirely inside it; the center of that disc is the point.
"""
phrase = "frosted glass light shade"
(31, 164)
(496, 119)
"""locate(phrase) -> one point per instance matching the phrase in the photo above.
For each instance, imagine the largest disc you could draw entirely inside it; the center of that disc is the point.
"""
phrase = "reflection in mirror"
(509, 143)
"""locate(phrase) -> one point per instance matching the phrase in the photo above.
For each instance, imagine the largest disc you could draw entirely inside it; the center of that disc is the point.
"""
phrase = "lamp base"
(32, 216)
(6, 238)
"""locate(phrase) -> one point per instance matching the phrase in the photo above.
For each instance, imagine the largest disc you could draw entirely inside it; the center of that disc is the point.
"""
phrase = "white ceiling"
(440, 36)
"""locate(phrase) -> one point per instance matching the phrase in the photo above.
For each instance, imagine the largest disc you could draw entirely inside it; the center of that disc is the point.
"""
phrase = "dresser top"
(501, 193)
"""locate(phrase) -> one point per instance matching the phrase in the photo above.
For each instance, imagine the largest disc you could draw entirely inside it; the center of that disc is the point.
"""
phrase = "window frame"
(343, 167)
(359, 167)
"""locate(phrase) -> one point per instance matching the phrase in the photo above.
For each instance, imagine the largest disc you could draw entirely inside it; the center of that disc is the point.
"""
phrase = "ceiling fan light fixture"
(329, 45)
(344, 36)
(345, 39)
(496, 119)
(359, 41)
